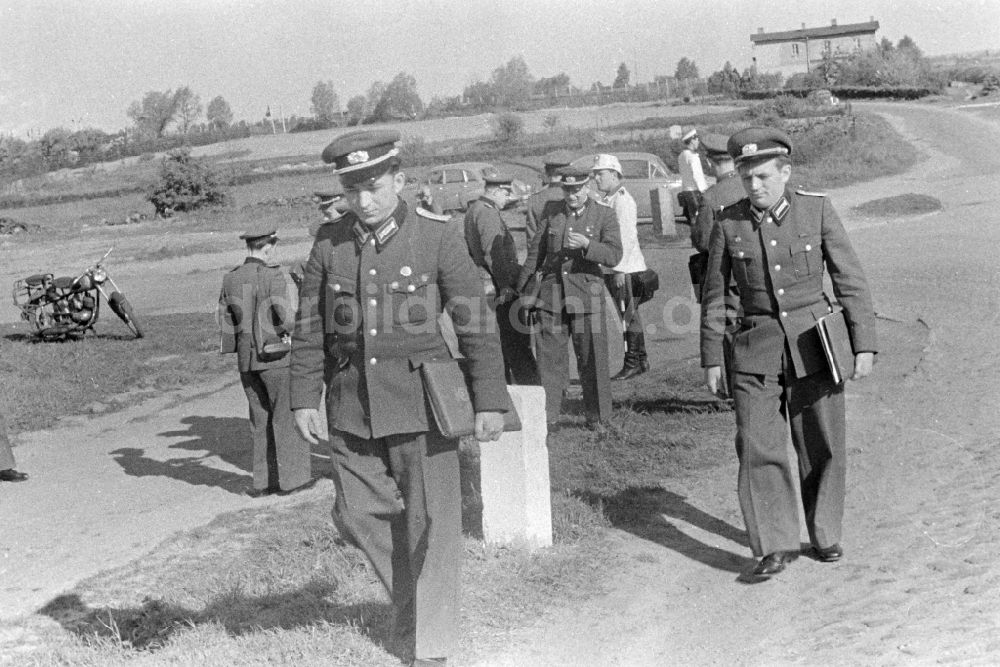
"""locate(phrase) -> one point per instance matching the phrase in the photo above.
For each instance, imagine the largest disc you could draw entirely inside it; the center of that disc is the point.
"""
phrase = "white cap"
(689, 135)
(605, 161)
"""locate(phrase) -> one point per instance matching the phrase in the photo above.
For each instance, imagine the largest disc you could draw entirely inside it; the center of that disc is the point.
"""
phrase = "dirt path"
(920, 582)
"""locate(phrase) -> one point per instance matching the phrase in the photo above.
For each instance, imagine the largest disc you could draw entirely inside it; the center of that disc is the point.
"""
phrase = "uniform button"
(777, 267)
(372, 272)
(336, 287)
(565, 273)
(773, 242)
(372, 242)
(372, 302)
(373, 332)
(740, 253)
(737, 239)
(781, 291)
(372, 361)
(411, 288)
(783, 314)
(808, 247)
(394, 285)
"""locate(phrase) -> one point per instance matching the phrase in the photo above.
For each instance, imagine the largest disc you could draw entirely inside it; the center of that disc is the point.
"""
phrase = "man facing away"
(255, 308)
(775, 244)
(371, 295)
(607, 175)
(492, 249)
(692, 178)
(576, 239)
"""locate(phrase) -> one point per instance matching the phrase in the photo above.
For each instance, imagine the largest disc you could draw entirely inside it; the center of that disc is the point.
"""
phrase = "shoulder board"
(430, 215)
(810, 194)
(273, 265)
(605, 204)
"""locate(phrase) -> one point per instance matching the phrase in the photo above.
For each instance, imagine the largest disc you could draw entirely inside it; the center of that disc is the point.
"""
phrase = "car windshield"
(635, 169)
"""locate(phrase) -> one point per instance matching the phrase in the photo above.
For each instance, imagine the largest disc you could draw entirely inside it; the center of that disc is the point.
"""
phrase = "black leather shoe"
(630, 371)
(308, 485)
(11, 475)
(829, 554)
(260, 493)
(774, 563)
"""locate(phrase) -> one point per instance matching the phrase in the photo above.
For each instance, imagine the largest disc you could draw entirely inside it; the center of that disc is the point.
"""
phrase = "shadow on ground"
(225, 439)
(149, 627)
(647, 512)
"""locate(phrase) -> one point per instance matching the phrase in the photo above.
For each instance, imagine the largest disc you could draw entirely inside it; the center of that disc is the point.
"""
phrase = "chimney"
(760, 31)
(803, 26)
(871, 19)
(833, 22)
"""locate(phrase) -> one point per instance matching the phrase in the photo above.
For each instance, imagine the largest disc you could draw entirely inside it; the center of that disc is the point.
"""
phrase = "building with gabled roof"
(794, 51)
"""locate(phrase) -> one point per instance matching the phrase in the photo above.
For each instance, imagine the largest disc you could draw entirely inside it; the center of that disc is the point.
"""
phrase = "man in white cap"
(607, 174)
(692, 177)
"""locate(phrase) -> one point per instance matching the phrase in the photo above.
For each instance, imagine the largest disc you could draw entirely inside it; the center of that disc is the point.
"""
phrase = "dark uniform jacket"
(491, 245)
(778, 268)
(536, 208)
(252, 286)
(725, 192)
(368, 319)
(572, 279)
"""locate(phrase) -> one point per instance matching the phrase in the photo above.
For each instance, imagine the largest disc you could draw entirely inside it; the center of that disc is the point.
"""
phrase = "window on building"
(826, 45)
(795, 50)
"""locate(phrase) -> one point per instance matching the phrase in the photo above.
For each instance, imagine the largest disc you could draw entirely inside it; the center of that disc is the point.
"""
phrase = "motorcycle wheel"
(123, 309)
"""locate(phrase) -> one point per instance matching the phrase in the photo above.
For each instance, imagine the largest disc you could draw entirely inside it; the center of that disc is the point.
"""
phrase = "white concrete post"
(663, 210)
(514, 475)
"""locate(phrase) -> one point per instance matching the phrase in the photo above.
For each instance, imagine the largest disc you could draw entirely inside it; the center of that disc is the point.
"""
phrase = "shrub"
(185, 184)
(508, 128)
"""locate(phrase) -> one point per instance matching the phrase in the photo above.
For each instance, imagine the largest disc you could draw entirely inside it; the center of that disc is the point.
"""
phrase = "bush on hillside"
(508, 128)
(185, 184)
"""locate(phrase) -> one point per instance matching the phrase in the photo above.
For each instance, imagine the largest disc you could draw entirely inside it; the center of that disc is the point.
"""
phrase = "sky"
(80, 63)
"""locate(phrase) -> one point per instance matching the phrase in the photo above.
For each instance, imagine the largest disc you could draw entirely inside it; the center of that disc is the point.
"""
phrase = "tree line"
(162, 120)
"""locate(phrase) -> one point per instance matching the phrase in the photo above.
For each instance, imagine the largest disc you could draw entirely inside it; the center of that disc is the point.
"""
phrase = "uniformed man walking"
(492, 249)
(693, 182)
(575, 241)
(607, 174)
(727, 190)
(255, 313)
(537, 202)
(775, 244)
(367, 322)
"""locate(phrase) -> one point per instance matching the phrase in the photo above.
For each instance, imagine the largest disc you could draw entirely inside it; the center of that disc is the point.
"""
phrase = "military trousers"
(590, 343)
(813, 407)
(399, 500)
(282, 459)
(628, 310)
(6, 453)
(515, 343)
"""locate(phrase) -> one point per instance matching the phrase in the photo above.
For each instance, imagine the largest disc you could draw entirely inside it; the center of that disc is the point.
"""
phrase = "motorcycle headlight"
(100, 275)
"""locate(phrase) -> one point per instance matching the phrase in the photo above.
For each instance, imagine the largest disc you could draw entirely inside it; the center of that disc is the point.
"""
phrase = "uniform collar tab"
(778, 211)
(384, 232)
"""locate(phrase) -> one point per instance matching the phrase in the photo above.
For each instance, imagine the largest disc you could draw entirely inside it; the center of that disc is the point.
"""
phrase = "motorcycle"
(65, 307)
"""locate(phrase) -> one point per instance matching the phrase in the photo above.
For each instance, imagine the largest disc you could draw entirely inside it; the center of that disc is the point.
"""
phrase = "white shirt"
(627, 213)
(692, 178)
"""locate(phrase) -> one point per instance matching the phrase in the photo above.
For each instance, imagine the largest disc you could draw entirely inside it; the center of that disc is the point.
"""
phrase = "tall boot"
(635, 356)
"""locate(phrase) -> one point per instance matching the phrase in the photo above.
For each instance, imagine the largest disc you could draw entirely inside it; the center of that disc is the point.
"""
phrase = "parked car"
(642, 172)
(454, 186)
